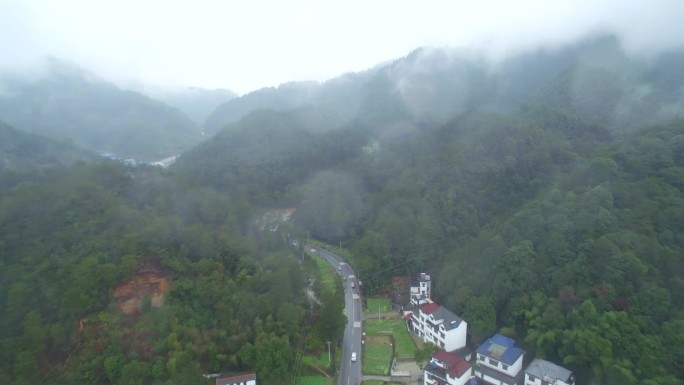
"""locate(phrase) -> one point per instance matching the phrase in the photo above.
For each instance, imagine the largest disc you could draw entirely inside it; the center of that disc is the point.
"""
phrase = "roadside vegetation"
(315, 380)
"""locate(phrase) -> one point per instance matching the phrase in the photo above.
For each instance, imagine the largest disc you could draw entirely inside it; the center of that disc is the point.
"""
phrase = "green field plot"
(314, 380)
(377, 355)
(375, 304)
(397, 327)
(320, 361)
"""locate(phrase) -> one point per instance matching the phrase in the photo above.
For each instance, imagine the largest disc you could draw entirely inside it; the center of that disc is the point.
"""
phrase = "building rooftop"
(429, 308)
(226, 379)
(548, 371)
(451, 320)
(456, 365)
(459, 369)
(501, 348)
(422, 277)
(447, 358)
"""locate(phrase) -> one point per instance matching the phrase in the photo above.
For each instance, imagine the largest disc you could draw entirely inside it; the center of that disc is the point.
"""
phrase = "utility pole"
(329, 359)
(340, 248)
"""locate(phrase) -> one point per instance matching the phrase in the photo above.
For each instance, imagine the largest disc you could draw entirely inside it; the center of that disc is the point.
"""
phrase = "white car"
(353, 357)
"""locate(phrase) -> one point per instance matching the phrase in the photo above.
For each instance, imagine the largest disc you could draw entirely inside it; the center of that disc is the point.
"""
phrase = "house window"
(504, 366)
(480, 357)
(493, 362)
(532, 378)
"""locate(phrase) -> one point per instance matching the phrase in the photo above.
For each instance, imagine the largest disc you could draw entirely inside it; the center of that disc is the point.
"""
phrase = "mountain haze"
(543, 192)
(22, 152)
(430, 86)
(68, 103)
(195, 103)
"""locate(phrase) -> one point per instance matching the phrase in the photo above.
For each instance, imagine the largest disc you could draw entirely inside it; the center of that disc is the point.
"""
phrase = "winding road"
(350, 372)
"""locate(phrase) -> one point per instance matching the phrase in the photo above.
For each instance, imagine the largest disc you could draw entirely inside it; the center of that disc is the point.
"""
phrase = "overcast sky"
(247, 45)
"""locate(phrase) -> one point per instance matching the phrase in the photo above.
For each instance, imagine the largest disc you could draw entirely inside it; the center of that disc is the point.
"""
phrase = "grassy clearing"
(320, 361)
(314, 380)
(378, 303)
(377, 357)
(328, 275)
(397, 326)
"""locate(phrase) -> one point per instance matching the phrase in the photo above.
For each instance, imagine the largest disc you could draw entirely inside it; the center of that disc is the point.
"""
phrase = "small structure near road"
(421, 290)
(245, 378)
(545, 372)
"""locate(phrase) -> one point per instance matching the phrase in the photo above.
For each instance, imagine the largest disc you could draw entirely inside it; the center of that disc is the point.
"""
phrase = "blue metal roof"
(511, 355)
(501, 348)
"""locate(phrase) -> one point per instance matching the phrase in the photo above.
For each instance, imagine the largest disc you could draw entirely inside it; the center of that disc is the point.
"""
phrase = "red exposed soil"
(147, 283)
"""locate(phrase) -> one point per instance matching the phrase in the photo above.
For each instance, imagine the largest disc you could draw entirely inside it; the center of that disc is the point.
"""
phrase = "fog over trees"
(542, 191)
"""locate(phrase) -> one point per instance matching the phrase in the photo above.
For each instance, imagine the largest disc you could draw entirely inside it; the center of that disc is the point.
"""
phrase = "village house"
(499, 361)
(446, 369)
(420, 290)
(437, 325)
(542, 372)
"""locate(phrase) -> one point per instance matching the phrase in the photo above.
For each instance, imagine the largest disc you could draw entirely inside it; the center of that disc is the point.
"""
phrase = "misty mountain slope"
(195, 103)
(605, 85)
(21, 151)
(267, 152)
(69, 103)
(428, 87)
(286, 97)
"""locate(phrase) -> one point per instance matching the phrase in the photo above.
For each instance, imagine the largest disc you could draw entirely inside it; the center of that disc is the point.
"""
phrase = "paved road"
(350, 372)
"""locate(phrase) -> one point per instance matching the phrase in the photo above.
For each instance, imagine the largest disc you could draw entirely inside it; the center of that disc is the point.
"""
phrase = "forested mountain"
(550, 199)
(543, 192)
(65, 102)
(113, 275)
(266, 155)
(195, 103)
(21, 151)
(428, 87)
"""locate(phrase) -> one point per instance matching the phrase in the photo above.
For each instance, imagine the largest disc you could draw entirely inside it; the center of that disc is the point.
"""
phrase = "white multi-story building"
(542, 372)
(446, 369)
(437, 325)
(421, 289)
(499, 361)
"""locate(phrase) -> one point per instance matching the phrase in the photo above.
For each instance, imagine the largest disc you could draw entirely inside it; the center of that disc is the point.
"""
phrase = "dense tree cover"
(548, 208)
(548, 211)
(553, 230)
(21, 151)
(267, 155)
(67, 238)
